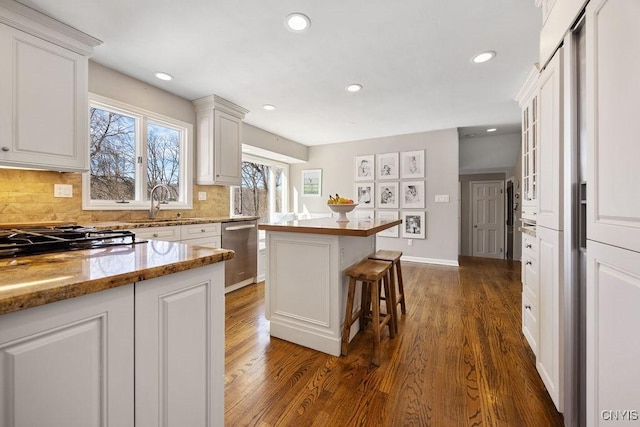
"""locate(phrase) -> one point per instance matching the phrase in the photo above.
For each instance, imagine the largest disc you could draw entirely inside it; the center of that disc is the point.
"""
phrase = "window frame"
(142, 119)
(271, 184)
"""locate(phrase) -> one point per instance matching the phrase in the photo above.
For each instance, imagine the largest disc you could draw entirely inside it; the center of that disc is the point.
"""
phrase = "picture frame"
(414, 224)
(389, 232)
(365, 167)
(312, 183)
(412, 194)
(387, 166)
(387, 195)
(412, 164)
(364, 214)
(365, 195)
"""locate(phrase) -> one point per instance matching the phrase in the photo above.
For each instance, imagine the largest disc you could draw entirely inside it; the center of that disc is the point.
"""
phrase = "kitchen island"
(305, 293)
(121, 335)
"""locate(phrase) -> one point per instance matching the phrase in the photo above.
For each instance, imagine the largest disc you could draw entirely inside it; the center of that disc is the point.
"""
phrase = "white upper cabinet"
(43, 91)
(219, 141)
(528, 101)
(613, 89)
(549, 151)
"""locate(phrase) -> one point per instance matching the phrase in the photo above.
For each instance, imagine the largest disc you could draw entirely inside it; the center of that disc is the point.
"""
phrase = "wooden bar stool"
(396, 295)
(373, 274)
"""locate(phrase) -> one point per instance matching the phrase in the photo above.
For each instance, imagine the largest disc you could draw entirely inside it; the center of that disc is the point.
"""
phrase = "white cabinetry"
(530, 290)
(549, 152)
(528, 100)
(208, 234)
(43, 91)
(219, 141)
(613, 210)
(179, 350)
(69, 363)
(167, 234)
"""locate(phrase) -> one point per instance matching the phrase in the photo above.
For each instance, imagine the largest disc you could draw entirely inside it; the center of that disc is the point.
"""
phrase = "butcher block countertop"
(30, 281)
(354, 227)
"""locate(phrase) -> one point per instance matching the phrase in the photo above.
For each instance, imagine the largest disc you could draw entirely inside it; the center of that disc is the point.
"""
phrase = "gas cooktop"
(30, 241)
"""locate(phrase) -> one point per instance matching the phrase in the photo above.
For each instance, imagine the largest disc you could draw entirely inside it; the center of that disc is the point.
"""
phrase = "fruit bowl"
(342, 209)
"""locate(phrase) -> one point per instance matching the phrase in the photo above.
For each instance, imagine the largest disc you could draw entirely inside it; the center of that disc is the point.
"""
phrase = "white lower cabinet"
(549, 361)
(613, 342)
(179, 349)
(69, 363)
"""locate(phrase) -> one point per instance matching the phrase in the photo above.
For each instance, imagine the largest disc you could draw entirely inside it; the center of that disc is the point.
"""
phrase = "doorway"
(487, 219)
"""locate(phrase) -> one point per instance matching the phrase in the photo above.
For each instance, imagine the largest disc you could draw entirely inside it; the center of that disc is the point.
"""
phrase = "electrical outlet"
(410, 242)
(442, 198)
(202, 195)
(62, 190)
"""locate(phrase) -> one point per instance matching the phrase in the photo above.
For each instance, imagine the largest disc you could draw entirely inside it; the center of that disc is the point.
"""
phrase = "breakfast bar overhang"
(305, 288)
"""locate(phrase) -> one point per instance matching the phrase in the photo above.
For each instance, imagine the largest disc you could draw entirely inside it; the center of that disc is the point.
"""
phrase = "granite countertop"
(163, 222)
(354, 227)
(30, 281)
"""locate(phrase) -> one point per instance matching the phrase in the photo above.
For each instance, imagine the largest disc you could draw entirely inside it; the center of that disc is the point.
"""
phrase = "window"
(131, 151)
(263, 191)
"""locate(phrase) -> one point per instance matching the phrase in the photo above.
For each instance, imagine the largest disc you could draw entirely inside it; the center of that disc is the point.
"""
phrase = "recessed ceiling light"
(483, 57)
(164, 76)
(269, 107)
(492, 130)
(354, 87)
(297, 22)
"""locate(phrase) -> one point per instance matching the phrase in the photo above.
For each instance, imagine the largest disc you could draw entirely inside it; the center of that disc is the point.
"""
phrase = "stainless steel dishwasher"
(242, 238)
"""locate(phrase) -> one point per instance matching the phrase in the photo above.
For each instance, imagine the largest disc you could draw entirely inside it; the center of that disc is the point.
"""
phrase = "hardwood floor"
(459, 359)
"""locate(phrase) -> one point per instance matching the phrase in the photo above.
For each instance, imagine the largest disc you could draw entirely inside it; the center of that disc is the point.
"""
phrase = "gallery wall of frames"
(392, 186)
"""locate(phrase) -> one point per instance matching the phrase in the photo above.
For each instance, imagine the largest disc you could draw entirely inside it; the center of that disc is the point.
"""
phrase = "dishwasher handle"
(239, 227)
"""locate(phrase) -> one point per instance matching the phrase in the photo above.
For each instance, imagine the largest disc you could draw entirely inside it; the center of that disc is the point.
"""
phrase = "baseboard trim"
(447, 262)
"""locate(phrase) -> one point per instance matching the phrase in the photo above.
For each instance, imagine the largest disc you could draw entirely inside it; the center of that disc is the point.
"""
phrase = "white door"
(487, 225)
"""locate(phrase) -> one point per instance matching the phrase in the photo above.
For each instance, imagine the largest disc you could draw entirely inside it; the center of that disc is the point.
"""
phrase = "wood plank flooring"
(459, 360)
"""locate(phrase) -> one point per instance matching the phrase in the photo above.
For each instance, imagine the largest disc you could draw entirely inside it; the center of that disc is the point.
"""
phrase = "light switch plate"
(202, 195)
(62, 190)
(442, 198)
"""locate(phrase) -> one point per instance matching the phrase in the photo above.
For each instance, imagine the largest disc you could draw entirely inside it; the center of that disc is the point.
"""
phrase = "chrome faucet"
(153, 210)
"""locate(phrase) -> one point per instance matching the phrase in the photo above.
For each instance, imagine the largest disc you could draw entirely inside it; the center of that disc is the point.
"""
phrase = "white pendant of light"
(297, 22)
(483, 57)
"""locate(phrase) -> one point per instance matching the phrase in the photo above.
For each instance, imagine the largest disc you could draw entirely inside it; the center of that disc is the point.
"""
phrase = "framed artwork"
(412, 164)
(412, 193)
(388, 195)
(414, 225)
(312, 182)
(389, 232)
(364, 214)
(387, 166)
(365, 166)
(364, 195)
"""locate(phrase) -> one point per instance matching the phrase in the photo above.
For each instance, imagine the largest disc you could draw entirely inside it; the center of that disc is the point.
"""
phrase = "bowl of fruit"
(341, 205)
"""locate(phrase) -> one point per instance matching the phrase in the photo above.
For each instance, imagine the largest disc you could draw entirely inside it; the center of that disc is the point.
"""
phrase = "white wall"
(488, 154)
(338, 169)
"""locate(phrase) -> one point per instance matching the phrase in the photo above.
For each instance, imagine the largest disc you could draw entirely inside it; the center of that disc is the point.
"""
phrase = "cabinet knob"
(528, 307)
(5, 148)
(203, 230)
(529, 263)
(155, 234)
(527, 246)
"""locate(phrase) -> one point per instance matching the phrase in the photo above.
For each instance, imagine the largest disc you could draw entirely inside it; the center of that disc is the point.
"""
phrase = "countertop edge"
(41, 297)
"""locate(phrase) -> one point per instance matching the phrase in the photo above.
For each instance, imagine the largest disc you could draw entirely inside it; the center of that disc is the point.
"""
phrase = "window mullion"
(141, 149)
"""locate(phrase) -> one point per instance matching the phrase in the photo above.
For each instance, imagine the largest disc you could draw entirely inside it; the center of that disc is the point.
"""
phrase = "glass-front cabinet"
(528, 100)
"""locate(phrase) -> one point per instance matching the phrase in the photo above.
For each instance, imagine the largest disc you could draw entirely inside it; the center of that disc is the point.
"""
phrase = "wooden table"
(306, 290)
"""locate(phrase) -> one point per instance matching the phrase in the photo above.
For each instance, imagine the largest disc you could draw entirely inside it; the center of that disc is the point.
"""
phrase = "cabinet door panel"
(228, 148)
(613, 344)
(72, 360)
(179, 349)
(613, 90)
(549, 361)
(550, 145)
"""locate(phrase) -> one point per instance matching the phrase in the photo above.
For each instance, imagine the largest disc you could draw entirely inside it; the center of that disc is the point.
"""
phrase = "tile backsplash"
(27, 196)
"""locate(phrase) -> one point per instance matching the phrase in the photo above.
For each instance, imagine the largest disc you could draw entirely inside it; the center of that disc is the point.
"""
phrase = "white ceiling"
(411, 56)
